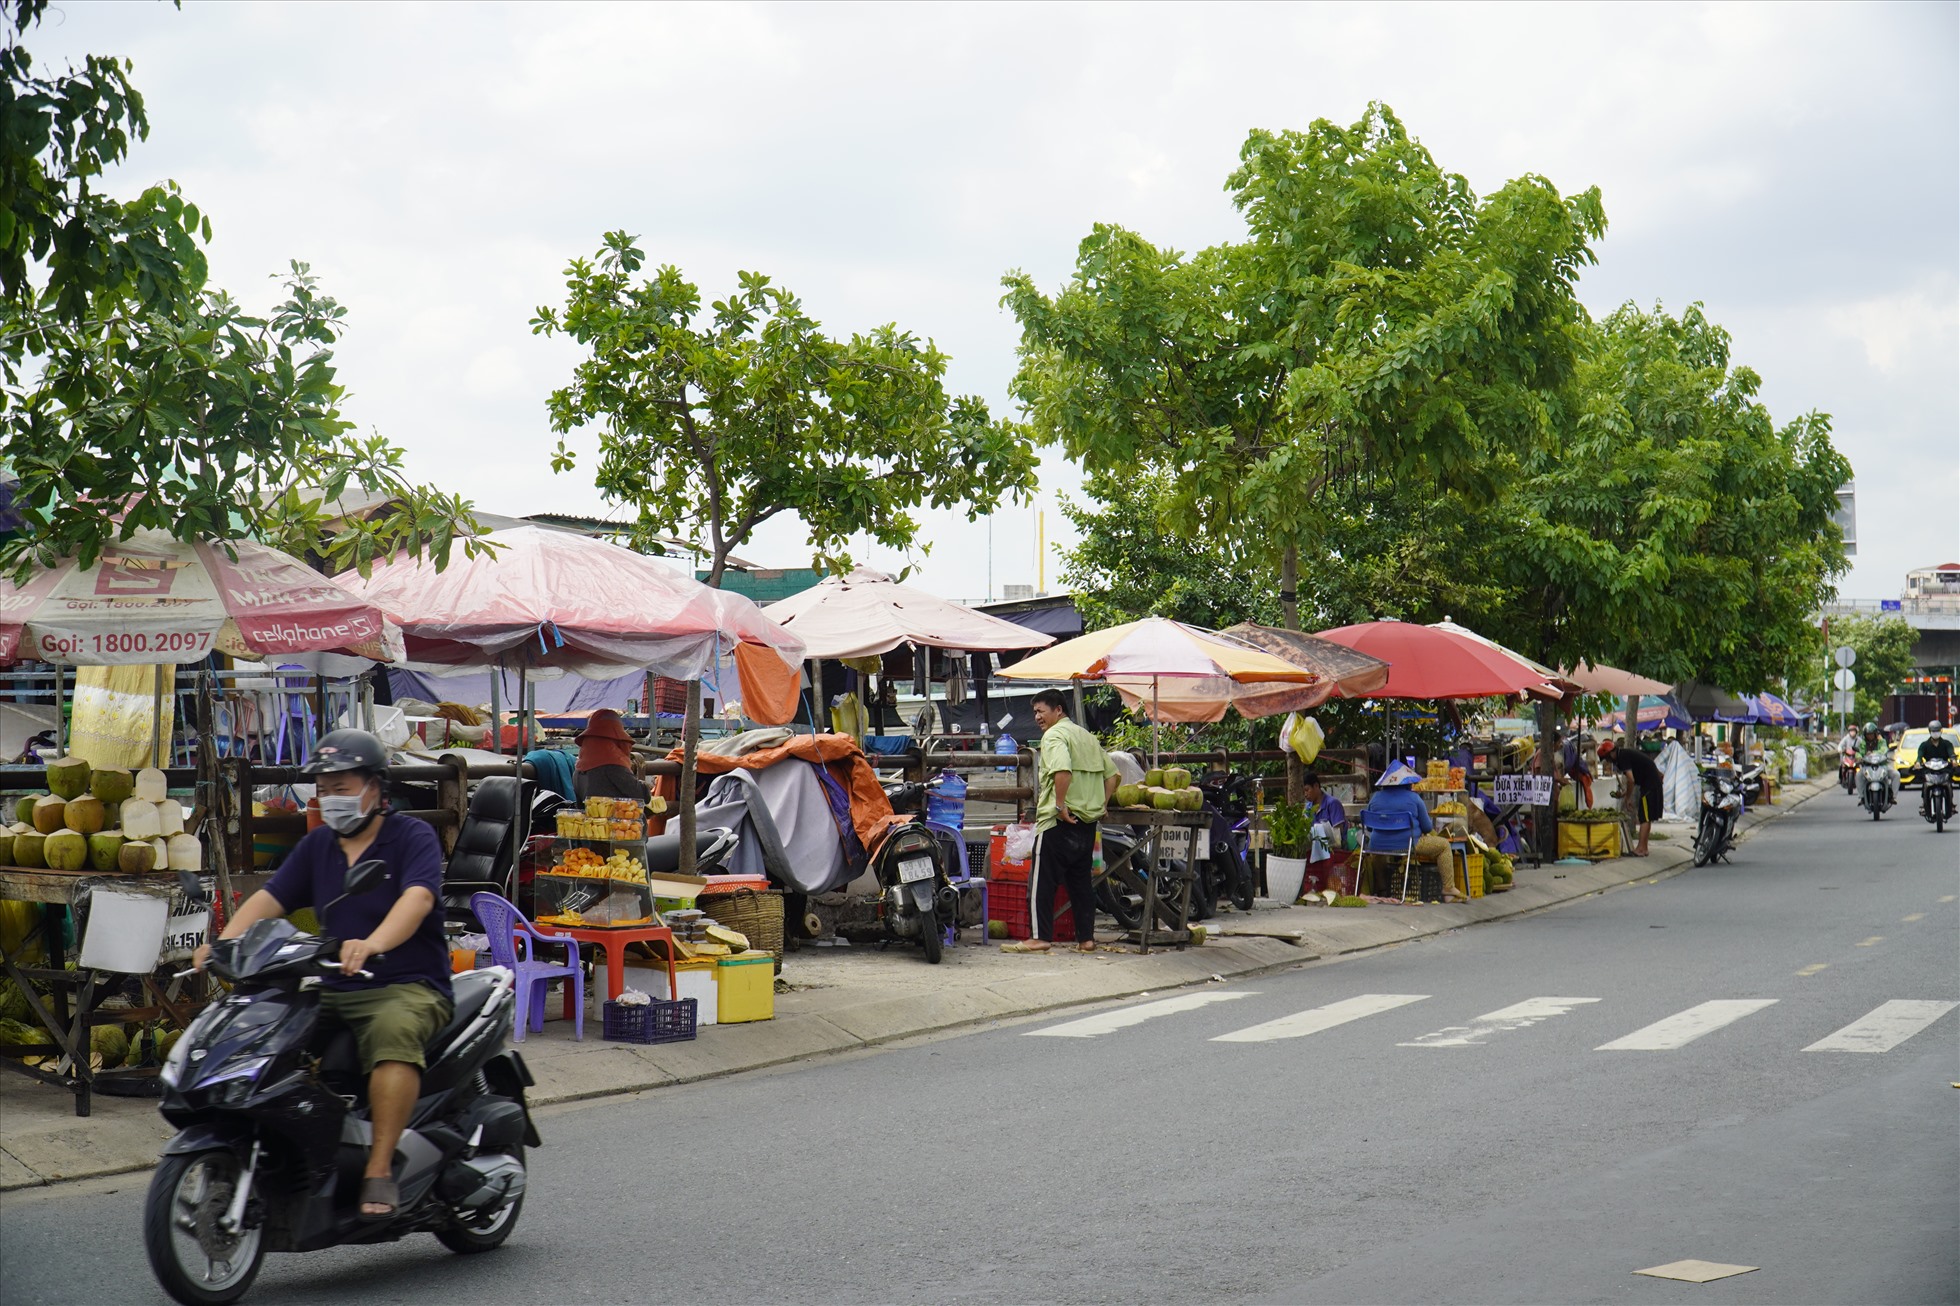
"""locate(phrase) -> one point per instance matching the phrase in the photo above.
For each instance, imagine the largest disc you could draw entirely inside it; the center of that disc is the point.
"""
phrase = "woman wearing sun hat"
(1394, 797)
(605, 760)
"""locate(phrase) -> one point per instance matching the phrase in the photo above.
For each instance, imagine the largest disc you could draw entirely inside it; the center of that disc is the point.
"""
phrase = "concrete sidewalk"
(838, 999)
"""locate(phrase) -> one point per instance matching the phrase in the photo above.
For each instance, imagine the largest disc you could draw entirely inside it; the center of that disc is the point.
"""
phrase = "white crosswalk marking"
(1884, 1027)
(1108, 1022)
(1522, 1015)
(1685, 1027)
(1302, 1023)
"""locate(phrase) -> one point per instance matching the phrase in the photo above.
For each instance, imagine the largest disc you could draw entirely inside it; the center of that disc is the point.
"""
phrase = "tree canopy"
(1884, 647)
(1379, 321)
(712, 422)
(132, 394)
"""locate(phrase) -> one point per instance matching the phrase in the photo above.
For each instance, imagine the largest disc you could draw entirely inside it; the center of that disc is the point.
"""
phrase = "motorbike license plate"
(915, 868)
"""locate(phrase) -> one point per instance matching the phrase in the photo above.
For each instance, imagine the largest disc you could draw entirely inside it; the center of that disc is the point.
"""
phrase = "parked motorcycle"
(1872, 781)
(1721, 810)
(1228, 874)
(1936, 801)
(273, 1132)
(911, 864)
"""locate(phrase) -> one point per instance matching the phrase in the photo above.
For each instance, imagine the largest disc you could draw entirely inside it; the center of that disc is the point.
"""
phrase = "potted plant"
(1286, 864)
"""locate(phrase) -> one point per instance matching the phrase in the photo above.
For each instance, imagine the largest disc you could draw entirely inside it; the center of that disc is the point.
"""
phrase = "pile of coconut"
(107, 820)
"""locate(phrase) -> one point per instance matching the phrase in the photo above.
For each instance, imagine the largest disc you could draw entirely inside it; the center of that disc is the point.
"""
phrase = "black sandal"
(379, 1190)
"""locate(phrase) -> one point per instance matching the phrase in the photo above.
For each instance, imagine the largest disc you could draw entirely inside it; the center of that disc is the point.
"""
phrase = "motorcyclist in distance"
(1874, 741)
(1938, 744)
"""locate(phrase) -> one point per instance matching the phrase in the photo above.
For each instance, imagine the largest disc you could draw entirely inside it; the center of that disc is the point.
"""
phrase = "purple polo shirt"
(315, 871)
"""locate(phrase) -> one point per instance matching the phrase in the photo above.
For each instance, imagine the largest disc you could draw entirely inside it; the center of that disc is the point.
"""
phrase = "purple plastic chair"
(506, 925)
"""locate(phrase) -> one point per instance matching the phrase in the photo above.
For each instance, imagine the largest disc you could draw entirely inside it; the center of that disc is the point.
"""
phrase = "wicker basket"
(757, 916)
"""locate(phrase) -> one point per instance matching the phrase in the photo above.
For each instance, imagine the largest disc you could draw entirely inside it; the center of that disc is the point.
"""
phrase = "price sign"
(1531, 790)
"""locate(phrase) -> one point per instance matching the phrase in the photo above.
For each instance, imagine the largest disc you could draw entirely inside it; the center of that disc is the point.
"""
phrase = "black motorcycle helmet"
(348, 750)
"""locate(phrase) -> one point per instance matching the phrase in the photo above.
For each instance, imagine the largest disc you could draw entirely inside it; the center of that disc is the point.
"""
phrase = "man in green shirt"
(1076, 778)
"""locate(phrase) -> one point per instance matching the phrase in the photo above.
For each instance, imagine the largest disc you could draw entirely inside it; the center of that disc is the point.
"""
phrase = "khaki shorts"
(394, 1023)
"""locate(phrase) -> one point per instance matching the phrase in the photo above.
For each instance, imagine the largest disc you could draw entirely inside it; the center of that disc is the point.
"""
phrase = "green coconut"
(1163, 800)
(167, 1041)
(84, 815)
(112, 786)
(1154, 777)
(65, 850)
(6, 847)
(24, 808)
(48, 812)
(105, 851)
(68, 777)
(1177, 777)
(27, 849)
(110, 1043)
(996, 929)
(136, 858)
(1129, 795)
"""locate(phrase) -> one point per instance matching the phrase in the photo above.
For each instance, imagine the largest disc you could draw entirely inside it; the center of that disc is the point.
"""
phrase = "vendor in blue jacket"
(1394, 797)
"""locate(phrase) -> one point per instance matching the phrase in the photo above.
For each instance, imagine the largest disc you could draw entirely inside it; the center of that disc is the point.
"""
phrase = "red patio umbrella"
(1437, 662)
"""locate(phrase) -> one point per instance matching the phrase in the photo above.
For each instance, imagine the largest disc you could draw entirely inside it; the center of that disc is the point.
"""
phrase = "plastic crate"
(1009, 902)
(1593, 840)
(650, 1022)
(1473, 874)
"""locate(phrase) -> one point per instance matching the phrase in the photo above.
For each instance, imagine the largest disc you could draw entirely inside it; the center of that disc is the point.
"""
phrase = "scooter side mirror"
(194, 895)
(362, 876)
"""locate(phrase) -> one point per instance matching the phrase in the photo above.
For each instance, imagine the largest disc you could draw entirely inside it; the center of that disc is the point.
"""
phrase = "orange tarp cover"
(871, 811)
(770, 687)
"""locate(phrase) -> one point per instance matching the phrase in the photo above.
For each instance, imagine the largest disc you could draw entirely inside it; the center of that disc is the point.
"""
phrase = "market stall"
(104, 854)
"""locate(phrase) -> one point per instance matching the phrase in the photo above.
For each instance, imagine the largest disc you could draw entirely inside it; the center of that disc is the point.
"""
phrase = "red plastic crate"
(1008, 902)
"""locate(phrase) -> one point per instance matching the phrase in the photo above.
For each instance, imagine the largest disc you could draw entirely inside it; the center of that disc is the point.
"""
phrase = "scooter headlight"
(174, 1062)
(245, 1070)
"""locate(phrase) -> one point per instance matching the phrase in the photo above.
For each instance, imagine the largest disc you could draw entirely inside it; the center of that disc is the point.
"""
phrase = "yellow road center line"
(1876, 938)
(1916, 916)
(1812, 969)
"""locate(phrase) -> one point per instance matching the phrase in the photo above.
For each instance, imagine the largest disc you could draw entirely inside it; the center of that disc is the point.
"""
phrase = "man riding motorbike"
(1938, 746)
(391, 931)
(1874, 741)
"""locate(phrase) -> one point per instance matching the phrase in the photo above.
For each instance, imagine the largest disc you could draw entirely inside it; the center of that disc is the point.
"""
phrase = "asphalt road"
(1443, 1121)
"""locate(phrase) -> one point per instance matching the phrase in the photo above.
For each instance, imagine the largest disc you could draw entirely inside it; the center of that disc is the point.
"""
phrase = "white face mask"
(344, 813)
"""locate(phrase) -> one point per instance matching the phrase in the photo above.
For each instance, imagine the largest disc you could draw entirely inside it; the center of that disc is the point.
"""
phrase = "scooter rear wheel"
(466, 1240)
(196, 1263)
(930, 937)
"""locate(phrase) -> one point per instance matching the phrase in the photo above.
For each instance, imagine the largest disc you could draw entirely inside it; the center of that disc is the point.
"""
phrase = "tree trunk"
(690, 740)
(1289, 586)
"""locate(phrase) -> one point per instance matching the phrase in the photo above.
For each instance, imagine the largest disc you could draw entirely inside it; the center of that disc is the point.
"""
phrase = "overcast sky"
(1794, 168)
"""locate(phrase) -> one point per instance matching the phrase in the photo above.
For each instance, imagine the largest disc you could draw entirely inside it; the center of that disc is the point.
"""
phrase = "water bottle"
(946, 801)
(1006, 746)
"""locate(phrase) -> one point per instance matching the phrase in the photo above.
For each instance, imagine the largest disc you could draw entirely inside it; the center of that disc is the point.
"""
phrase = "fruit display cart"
(1167, 812)
(596, 872)
(94, 914)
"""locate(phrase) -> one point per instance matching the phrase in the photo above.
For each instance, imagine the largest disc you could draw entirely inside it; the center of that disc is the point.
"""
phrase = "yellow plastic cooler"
(747, 986)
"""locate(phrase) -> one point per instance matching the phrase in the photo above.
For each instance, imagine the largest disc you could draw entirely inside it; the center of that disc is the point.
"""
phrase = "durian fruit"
(170, 817)
(105, 851)
(136, 858)
(84, 815)
(152, 785)
(112, 786)
(68, 777)
(184, 853)
(65, 850)
(140, 819)
(48, 812)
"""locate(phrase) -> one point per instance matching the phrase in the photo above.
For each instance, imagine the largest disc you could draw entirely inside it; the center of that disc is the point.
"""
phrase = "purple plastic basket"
(650, 1022)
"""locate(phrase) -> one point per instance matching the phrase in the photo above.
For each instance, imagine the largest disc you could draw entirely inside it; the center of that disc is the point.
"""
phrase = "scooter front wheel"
(195, 1260)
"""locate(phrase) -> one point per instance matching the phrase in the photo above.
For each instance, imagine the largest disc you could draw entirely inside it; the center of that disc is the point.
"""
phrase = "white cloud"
(1792, 167)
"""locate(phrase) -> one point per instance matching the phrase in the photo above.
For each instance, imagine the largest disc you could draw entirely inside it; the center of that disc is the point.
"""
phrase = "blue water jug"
(1006, 746)
(946, 800)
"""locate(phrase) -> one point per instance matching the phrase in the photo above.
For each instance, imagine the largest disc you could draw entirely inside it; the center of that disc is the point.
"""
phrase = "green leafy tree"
(1124, 567)
(712, 423)
(132, 395)
(1884, 647)
(1673, 528)
(1380, 321)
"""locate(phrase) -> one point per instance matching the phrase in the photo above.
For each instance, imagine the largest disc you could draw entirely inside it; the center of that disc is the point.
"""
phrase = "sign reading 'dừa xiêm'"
(1531, 790)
